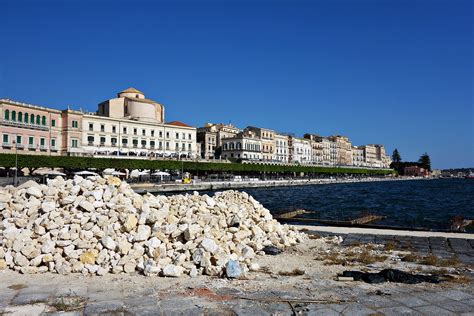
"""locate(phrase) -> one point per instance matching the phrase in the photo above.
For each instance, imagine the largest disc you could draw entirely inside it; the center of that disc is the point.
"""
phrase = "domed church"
(132, 104)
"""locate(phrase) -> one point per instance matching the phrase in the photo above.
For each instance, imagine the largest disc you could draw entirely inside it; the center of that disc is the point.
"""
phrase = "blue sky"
(393, 72)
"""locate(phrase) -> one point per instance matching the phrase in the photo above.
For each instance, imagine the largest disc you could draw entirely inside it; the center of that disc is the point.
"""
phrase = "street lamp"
(15, 179)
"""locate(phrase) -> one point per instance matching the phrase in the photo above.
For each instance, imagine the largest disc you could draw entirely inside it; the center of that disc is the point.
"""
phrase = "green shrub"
(69, 162)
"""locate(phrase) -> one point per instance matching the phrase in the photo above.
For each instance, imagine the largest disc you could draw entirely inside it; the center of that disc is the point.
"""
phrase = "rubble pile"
(100, 225)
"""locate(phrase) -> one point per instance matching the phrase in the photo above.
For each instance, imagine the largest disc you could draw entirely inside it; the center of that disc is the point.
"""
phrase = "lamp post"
(15, 179)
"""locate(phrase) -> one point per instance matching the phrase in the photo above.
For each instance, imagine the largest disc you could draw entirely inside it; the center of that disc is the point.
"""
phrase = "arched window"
(32, 119)
(43, 120)
(20, 117)
(38, 120)
(13, 115)
(7, 114)
(26, 117)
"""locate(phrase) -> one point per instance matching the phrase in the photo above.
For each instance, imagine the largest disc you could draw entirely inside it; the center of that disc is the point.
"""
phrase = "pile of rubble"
(100, 225)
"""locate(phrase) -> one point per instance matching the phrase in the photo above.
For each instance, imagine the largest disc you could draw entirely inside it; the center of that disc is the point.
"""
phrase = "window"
(124, 130)
(183, 135)
(5, 138)
(20, 117)
(143, 143)
(38, 120)
(90, 140)
(91, 126)
(160, 145)
(43, 120)
(13, 115)
(42, 142)
(32, 119)
(152, 133)
(189, 147)
(102, 140)
(152, 144)
(113, 140)
(134, 131)
(177, 135)
(18, 139)
(74, 124)
(189, 136)
(53, 122)
(26, 117)
(183, 146)
(124, 142)
(161, 134)
(102, 127)
(31, 140)
(74, 143)
(7, 114)
(135, 143)
(167, 134)
(114, 129)
(143, 132)
(53, 142)
(167, 145)
(176, 146)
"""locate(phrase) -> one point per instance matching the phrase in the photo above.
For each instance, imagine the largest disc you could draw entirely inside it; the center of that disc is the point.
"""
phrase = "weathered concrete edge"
(388, 232)
(210, 186)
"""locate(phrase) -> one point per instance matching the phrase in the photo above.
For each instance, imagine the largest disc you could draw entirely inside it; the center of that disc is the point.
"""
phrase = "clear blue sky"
(388, 71)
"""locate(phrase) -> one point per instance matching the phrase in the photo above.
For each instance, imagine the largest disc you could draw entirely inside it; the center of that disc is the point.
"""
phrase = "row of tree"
(399, 165)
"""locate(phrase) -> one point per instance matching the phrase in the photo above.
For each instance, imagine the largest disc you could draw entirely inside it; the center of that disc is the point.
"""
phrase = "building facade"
(267, 136)
(281, 148)
(129, 125)
(245, 145)
(210, 137)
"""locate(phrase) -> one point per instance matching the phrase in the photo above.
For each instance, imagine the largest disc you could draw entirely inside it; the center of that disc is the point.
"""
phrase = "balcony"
(102, 144)
(20, 146)
(23, 125)
(43, 148)
(124, 145)
(143, 146)
(114, 145)
(90, 143)
(7, 145)
(54, 148)
(135, 145)
(31, 146)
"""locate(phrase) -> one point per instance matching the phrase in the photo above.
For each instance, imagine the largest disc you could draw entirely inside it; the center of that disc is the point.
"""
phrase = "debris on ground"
(390, 275)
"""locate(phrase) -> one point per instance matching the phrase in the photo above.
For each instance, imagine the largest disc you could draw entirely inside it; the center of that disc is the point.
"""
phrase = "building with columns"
(128, 125)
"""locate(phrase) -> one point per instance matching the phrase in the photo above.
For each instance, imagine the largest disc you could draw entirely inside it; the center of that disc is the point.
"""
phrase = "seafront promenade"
(231, 185)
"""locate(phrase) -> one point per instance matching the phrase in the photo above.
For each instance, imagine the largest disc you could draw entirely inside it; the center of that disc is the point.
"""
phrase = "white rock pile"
(100, 225)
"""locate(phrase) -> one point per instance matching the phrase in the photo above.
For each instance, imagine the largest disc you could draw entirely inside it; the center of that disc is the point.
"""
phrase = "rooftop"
(177, 123)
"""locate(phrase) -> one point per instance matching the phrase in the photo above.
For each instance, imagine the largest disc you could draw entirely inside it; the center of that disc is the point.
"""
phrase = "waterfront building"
(246, 145)
(210, 136)
(358, 159)
(267, 136)
(281, 148)
(300, 151)
(128, 125)
(415, 171)
(32, 129)
(343, 150)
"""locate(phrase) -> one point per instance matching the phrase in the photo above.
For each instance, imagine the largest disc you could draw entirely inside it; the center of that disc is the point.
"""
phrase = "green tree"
(396, 156)
(424, 161)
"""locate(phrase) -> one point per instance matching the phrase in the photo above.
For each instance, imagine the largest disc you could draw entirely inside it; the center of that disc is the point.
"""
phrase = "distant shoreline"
(142, 188)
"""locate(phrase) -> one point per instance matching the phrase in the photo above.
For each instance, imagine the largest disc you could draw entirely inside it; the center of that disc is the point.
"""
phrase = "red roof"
(178, 123)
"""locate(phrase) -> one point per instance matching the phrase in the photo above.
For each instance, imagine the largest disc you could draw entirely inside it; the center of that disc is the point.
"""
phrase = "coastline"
(143, 188)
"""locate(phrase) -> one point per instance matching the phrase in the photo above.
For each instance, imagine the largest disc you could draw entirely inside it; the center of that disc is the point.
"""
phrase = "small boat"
(470, 175)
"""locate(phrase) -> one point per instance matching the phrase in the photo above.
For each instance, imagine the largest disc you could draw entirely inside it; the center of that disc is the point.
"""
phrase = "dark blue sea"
(427, 204)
